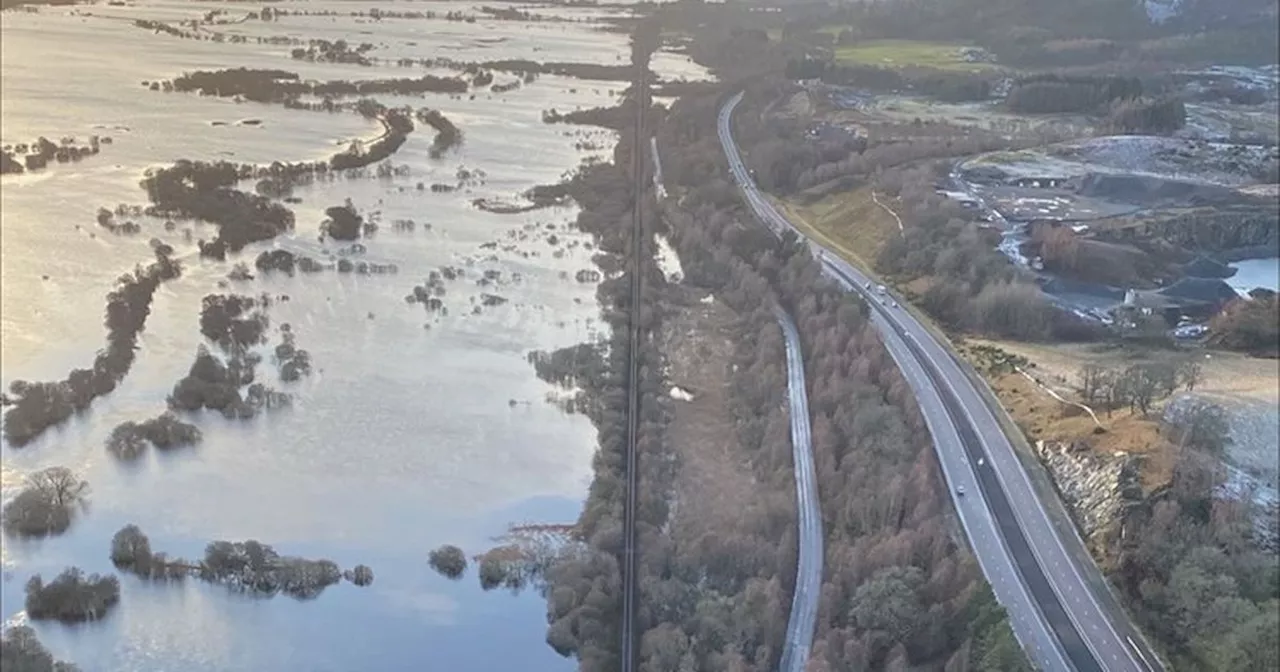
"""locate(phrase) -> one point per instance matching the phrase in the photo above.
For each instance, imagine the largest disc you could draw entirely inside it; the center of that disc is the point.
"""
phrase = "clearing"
(910, 53)
(716, 493)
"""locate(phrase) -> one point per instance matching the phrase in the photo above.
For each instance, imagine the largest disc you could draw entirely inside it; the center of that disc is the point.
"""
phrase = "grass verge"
(908, 53)
(848, 223)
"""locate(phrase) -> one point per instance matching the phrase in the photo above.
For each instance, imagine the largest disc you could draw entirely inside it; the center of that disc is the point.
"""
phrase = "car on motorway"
(960, 490)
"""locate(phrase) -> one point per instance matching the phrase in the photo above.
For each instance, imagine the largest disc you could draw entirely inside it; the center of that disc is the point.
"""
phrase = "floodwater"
(1254, 273)
(414, 431)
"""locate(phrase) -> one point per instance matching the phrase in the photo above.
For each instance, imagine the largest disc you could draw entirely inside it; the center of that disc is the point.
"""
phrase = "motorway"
(1052, 609)
(804, 600)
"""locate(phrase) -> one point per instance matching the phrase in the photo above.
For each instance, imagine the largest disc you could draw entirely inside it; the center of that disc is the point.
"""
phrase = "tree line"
(1137, 386)
(898, 593)
(37, 406)
(720, 605)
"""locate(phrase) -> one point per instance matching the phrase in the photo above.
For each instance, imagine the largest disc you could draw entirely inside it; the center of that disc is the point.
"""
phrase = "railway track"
(629, 656)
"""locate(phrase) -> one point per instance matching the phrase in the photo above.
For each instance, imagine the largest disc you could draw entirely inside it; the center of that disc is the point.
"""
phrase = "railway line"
(629, 657)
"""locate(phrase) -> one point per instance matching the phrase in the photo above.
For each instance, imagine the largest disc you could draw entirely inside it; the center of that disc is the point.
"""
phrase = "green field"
(907, 53)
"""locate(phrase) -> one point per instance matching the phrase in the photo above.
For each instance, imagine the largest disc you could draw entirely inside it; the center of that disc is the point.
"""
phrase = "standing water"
(414, 430)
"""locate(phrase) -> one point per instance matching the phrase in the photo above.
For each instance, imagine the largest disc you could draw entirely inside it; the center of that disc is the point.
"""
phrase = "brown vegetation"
(1180, 533)
(1249, 325)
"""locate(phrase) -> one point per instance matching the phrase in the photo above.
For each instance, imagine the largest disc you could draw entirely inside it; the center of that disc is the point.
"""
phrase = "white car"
(960, 490)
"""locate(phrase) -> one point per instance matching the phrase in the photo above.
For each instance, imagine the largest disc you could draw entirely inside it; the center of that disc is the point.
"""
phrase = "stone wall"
(1096, 487)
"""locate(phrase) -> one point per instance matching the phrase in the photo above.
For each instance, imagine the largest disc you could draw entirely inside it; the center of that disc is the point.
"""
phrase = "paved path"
(804, 601)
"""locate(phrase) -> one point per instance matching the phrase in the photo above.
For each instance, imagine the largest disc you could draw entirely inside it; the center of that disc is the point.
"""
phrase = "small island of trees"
(47, 504)
(250, 566)
(40, 405)
(129, 440)
(72, 596)
(449, 561)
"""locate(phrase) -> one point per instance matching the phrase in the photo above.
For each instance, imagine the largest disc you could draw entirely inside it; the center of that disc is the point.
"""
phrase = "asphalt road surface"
(804, 601)
(1052, 609)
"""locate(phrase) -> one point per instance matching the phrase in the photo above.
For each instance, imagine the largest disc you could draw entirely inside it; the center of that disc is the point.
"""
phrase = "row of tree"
(1138, 386)
(37, 406)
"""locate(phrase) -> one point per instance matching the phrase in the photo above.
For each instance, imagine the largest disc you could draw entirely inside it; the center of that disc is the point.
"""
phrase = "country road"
(804, 601)
(1053, 609)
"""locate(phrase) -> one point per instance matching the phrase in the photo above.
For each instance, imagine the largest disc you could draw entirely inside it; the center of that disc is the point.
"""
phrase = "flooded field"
(415, 430)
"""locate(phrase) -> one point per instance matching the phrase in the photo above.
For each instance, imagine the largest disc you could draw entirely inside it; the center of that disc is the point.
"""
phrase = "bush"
(72, 596)
(449, 561)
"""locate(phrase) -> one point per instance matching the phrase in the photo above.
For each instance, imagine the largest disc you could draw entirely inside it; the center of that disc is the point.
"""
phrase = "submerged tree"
(21, 651)
(72, 596)
(449, 561)
(47, 505)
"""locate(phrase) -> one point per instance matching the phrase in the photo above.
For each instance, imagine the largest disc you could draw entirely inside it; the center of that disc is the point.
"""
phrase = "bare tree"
(1190, 374)
(1092, 381)
(61, 485)
(46, 505)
